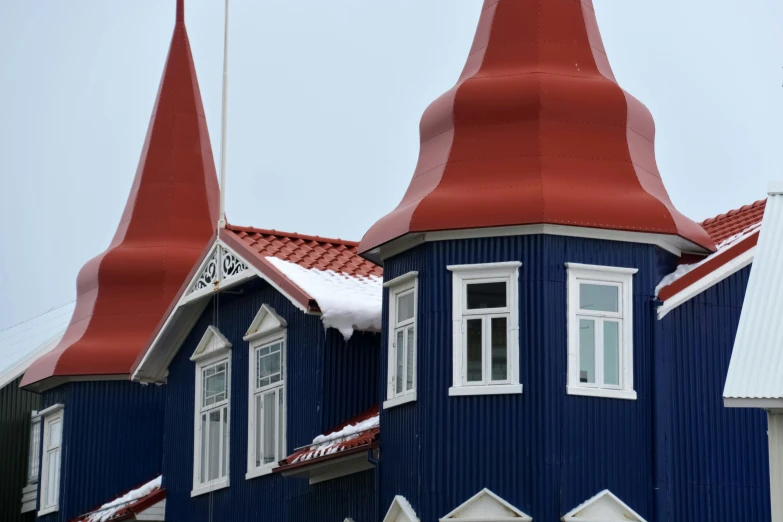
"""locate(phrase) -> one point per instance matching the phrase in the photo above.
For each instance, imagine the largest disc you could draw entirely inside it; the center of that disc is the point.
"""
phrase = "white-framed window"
(485, 317)
(34, 450)
(212, 413)
(403, 313)
(267, 393)
(600, 331)
(51, 458)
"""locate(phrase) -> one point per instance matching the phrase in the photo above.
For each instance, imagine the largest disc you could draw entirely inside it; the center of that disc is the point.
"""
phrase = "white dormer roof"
(485, 506)
(212, 344)
(400, 511)
(266, 322)
(604, 507)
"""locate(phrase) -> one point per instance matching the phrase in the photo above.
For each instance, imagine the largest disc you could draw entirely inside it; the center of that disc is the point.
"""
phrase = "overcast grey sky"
(325, 101)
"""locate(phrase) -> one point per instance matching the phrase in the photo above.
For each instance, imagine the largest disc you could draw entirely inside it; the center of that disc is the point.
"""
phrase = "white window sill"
(48, 510)
(203, 490)
(496, 389)
(260, 472)
(629, 395)
(402, 399)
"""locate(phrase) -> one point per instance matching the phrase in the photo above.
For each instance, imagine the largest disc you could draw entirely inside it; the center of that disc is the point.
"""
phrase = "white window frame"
(51, 415)
(622, 278)
(462, 275)
(34, 451)
(408, 283)
(267, 329)
(214, 349)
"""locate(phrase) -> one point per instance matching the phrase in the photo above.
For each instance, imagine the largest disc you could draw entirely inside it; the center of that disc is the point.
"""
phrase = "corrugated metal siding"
(15, 408)
(270, 497)
(112, 441)
(543, 451)
(715, 458)
(757, 365)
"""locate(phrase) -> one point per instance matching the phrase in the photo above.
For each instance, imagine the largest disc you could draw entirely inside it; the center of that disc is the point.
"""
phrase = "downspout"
(659, 383)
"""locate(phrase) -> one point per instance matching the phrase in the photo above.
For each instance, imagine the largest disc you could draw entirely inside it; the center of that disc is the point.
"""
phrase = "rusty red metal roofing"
(537, 130)
(169, 219)
(362, 441)
(130, 510)
(722, 227)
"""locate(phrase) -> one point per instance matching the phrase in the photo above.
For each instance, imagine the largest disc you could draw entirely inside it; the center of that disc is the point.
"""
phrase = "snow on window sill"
(48, 510)
(497, 389)
(260, 472)
(629, 395)
(402, 399)
(203, 490)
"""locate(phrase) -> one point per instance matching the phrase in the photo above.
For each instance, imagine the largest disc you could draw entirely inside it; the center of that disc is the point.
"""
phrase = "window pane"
(486, 295)
(51, 482)
(259, 433)
(215, 386)
(410, 358)
(270, 365)
(55, 434)
(499, 349)
(213, 452)
(475, 373)
(270, 416)
(601, 298)
(35, 440)
(612, 353)
(405, 307)
(204, 433)
(400, 357)
(224, 449)
(586, 351)
(280, 424)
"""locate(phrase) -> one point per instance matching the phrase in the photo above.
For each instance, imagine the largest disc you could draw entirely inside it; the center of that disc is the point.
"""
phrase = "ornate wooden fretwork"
(222, 264)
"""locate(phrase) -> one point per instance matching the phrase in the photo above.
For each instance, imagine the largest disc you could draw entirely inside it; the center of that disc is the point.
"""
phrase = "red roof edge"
(304, 237)
(131, 509)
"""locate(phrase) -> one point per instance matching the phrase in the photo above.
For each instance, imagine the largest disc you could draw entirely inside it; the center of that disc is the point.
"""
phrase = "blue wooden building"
(534, 333)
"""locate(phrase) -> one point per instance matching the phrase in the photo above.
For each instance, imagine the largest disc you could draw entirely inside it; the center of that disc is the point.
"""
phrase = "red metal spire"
(536, 131)
(169, 220)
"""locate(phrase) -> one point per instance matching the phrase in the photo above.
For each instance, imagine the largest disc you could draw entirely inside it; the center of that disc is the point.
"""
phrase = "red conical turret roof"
(169, 219)
(536, 131)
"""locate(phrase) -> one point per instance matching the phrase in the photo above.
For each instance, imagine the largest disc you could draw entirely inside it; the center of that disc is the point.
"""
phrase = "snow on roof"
(21, 343)
(347, 302)
(110, 509)
(757, 359)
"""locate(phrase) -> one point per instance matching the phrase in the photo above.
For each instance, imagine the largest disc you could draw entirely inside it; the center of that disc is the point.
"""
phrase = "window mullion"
(599, 353)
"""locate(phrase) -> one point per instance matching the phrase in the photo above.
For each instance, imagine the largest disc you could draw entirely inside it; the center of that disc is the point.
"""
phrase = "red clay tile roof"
(724, 226)
(318, 453)
(130, 510)
(317, 252)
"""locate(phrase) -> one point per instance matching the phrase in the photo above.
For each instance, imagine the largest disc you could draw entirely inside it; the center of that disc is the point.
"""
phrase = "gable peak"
(486, 506)
(212, 343)
(266, 322)
(604, 507)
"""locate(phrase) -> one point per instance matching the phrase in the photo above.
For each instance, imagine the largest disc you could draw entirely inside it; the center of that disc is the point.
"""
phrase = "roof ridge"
(296, 235)
(733, 212)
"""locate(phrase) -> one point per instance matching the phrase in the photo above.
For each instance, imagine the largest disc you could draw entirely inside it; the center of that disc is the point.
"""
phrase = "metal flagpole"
(224, 118)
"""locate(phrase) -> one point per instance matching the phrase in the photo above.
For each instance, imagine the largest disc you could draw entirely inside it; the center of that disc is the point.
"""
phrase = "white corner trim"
(483, 266)
(218, 484)
(601, 269)
(402, 399)
(497, 389)
(764, 404)
(401, 280)
(602, 392)
(48, 510)
(261, 472)
(706, 282)
(54, 408)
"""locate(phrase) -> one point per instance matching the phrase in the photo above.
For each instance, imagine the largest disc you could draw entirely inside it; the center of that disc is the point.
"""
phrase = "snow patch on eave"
(331, 443)
(347, 303)
(110, 509)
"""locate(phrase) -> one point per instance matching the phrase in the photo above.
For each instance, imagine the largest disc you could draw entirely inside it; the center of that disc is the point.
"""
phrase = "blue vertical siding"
(112, 438)
(543, 451)
(326, 383)
(714, 460)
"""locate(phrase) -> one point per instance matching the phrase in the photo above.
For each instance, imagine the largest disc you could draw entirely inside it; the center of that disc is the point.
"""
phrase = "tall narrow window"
(403, 307)
(600, 324)
(267, 393)
(485, 325)
(212, 412)
(34, 451)
(51, 459)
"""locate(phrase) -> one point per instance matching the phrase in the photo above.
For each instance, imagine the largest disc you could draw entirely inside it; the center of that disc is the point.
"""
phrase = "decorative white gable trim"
(266, 323)
(212, 344)
(221, 267)
(604, 507)
(400, 511)
(485, 506)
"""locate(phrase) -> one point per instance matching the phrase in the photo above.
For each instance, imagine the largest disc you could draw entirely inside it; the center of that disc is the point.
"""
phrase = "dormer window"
(600, 331)
(485, 313)
(403, 308)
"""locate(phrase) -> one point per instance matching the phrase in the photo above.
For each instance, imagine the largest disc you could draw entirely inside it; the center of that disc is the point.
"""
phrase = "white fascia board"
(746, 402)
(706, 282)
(54, 408)
(401, 280)
(601, 269)
(19, 368)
